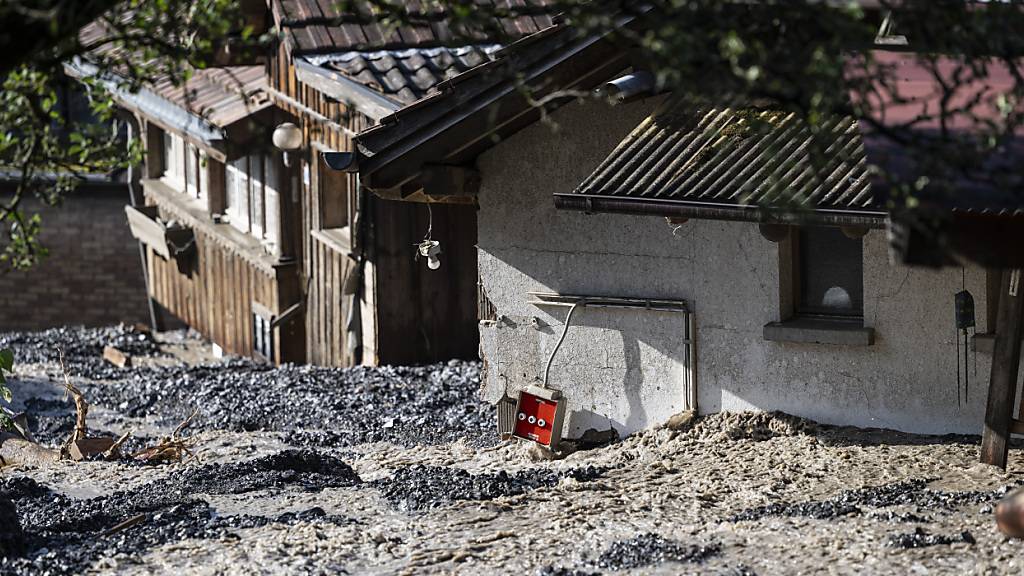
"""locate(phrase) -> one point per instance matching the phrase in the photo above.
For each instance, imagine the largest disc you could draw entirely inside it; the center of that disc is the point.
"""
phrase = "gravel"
(921, 538)
(82, 347)
(425, 487)
(12, 541)
(312, 406)
(849, 503)
(649, 548)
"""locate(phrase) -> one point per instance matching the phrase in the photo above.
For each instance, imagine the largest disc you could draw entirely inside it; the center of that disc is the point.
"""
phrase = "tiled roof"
(220, 96)
(318, 26)
(404, 75)
(690, 152)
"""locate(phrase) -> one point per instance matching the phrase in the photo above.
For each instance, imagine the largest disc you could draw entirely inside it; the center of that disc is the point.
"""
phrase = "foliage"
(818, 59)
(49, 141)
(6, 366)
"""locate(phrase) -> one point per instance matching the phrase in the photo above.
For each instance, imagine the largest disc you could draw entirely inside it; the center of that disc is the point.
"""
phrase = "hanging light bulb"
(430, 249)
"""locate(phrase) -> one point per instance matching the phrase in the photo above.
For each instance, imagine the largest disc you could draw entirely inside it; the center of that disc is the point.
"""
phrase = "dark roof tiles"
(319, 26)
(405, 75)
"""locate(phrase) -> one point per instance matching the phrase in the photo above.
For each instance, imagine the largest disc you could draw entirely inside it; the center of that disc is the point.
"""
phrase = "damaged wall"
(623, 367)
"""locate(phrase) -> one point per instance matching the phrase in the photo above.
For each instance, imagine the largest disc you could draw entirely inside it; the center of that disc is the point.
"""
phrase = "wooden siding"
(424, 315)
(328, 307)
(215, 292)
(409, 314)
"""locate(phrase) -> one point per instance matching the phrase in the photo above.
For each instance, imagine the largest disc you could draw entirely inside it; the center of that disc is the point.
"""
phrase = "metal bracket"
(652, 304)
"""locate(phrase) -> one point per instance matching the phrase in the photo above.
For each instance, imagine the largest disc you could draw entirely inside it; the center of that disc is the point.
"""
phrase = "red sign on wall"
(536, 419)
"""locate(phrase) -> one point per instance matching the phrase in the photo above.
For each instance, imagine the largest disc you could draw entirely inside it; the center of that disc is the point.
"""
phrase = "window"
(238, 193)
(184, 166)
(174, 160)
(830, 279)
(251, 187)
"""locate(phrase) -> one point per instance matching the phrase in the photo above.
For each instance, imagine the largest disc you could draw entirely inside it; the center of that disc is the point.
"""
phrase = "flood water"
(397, 471)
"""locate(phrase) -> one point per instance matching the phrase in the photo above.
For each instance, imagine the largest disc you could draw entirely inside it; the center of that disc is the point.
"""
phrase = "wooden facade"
(340, 284)
(218, 285)
(405, 313)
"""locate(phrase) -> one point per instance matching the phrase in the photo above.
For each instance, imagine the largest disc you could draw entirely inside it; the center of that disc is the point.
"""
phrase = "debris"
(114, 452)
(681, 420)
(171, 448)
(88, 447)
(647, 549)
(116, 357)
(920, 538)
(137, 519)
(79, 446)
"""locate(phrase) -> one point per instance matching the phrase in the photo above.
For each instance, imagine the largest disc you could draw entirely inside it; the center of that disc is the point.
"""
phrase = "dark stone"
(12, 541)
(647, 549)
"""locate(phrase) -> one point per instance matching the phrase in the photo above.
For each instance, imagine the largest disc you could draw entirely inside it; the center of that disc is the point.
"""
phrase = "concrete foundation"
(624, 368)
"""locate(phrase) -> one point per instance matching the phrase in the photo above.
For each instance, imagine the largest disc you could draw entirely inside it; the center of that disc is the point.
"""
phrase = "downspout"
(136, 200)
(354, 322)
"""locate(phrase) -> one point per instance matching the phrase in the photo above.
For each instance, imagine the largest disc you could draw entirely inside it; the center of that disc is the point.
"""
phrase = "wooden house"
(368, 298)
(270, 253)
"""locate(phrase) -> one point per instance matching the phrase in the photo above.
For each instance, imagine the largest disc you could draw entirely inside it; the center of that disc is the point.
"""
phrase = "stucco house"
(660, 210)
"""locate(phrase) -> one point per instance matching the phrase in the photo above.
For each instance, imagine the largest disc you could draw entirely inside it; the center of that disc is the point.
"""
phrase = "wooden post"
(1005, 366)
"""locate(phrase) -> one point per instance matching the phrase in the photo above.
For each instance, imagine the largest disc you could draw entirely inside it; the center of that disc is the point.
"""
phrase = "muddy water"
(733, 494)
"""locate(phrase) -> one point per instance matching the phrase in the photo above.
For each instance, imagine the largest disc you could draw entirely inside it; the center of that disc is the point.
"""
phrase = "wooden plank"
(1005, 369)
(144, 227)
(338, 321)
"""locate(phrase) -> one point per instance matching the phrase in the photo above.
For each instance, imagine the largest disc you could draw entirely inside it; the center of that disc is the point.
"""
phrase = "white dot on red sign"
(541, 422)
(531, 419)
(522, 416)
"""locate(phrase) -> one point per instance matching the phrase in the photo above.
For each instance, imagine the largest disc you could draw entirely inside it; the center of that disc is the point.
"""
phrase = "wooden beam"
(1005, 367)
(445, 180)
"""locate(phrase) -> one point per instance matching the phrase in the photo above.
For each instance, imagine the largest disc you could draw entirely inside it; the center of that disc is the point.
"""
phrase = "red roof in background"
(903, 133)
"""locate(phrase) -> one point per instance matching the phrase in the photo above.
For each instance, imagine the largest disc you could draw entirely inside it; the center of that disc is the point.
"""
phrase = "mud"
(397, 471)
(66, 534)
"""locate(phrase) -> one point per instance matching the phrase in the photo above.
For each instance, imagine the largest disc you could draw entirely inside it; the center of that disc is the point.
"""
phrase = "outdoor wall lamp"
(287, 138)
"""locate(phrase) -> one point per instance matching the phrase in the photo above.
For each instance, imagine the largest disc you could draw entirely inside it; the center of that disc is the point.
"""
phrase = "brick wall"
(92, 276)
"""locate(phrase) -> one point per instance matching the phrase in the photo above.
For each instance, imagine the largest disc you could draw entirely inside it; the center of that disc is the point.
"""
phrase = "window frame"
(800, 310)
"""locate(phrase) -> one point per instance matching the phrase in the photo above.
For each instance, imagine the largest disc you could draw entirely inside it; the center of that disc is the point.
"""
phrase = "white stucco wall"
(623, 368)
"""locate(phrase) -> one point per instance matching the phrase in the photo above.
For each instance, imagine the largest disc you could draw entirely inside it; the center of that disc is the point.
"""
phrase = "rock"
(681, 420)
(12, 541)
(1010, 514)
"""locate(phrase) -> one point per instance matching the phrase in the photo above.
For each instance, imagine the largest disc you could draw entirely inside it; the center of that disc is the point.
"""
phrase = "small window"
(831, 274)
(263, 336)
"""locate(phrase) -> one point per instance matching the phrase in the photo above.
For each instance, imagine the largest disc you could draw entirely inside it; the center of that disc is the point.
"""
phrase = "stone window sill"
(820, 331)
